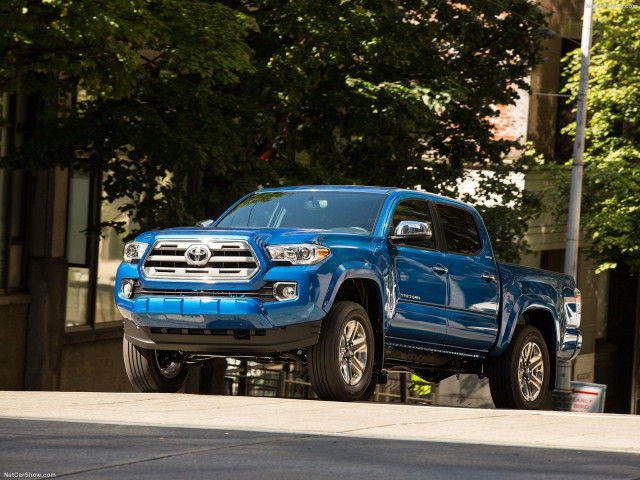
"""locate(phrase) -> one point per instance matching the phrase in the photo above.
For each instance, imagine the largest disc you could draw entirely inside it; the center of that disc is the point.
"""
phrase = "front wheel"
(341, 363)
(519, 378)
(153, 371)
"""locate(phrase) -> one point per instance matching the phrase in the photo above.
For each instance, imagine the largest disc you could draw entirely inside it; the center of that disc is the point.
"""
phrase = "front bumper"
(227, 341)
(222, 325)
(241, 319)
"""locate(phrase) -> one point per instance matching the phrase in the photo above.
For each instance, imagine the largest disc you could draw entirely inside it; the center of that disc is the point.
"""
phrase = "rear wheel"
(341, 363)
(519, 378)
(153, 370)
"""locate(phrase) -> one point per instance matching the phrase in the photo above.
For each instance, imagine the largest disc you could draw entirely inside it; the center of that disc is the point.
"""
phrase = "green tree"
(376, 92)
(399, 94)
(134, 89)
(611, 189)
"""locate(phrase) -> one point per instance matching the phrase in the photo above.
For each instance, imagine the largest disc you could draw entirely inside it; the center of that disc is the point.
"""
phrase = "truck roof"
(361, 188)
(365, 189)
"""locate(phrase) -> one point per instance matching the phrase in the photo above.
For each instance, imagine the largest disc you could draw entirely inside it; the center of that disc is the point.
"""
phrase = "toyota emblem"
(197, 255)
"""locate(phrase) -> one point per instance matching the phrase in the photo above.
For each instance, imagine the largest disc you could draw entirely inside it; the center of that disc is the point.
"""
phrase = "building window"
(93, 259)
(552, 260)
(17, 109)
(109, 258)
(566, 113)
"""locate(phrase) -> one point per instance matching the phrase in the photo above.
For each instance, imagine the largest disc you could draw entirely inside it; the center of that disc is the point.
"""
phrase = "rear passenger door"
(474, 285)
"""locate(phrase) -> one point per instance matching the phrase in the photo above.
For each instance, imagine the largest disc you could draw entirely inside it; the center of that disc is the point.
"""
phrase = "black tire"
(153, 371)
(367, 395)
(519, 378)
(337, 370)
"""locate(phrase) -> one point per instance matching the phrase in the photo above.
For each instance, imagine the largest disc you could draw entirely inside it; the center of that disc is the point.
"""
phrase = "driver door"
(421, 280)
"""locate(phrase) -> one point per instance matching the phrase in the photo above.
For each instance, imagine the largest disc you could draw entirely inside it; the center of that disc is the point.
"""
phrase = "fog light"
(127, 288)
(285, 291)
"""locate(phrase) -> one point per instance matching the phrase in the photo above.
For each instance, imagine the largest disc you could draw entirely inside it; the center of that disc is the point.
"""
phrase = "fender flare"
(362, 271)
(354, 270)
(523, 305)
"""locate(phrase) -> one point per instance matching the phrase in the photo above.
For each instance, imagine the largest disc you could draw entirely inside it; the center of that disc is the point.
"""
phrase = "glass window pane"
(351, 212)
(109, 257)
(459, 230)
(3, 233)
(77, 223)
(417, 211)
(15, 266)
(17, 207)
(22, 109)
(77, 296)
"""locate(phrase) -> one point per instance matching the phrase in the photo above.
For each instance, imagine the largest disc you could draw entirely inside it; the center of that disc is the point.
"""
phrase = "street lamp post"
(562, 394)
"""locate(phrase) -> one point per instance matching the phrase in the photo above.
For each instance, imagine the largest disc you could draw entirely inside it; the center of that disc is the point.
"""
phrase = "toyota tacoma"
(352, 282)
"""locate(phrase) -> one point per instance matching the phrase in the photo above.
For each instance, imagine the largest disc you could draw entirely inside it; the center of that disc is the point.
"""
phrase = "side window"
(413, 210)
(460, 231)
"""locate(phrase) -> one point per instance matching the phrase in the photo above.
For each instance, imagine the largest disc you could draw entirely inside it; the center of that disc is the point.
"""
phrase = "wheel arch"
(543, 320)
(366, 292)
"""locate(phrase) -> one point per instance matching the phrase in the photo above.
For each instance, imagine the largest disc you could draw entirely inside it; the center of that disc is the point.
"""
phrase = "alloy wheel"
(530, 371)
(353, 352)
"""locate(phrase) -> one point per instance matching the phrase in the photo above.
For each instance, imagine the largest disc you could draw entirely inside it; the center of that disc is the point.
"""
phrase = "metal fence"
(292, 381)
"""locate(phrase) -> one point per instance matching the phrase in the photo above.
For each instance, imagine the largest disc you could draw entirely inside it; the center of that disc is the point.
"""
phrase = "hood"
(268, 236)
(261, 236)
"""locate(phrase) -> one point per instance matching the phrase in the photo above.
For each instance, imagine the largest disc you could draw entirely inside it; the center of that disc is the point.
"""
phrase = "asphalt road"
(99, 451)
(165, 436)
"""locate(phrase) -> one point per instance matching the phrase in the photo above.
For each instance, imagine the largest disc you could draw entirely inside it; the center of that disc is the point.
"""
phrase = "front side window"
(460, 231)
(348, 212)
(417, 211)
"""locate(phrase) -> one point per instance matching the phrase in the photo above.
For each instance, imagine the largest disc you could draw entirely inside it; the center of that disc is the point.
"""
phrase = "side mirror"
(204, 223)
(411, 231)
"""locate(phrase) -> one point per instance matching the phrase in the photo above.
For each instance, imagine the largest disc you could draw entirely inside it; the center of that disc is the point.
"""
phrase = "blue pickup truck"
(351, 281)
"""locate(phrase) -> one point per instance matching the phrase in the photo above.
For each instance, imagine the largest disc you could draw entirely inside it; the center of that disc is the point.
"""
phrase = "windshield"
(350, 212)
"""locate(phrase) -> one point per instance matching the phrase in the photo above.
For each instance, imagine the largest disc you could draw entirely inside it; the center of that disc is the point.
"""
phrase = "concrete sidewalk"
(617, 433)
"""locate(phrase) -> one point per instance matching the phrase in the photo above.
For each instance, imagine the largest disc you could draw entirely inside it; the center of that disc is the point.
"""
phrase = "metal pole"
(635, 376)
(562, 394)
(403, 387)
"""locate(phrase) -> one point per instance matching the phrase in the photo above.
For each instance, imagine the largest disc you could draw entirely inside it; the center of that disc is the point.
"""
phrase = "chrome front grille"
(206, 260)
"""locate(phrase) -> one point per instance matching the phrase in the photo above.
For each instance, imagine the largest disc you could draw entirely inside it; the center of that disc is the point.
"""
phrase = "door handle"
(440, 269)
(488, 277)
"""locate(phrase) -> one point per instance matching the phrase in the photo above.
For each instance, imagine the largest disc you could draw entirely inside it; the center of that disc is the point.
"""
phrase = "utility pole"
(562, 393)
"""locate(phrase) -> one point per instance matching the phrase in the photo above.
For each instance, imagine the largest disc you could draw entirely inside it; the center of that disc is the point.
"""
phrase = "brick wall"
(512, 122)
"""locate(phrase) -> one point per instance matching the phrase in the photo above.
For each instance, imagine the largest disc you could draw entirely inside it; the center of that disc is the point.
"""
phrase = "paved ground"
(111, 435)
(392, 421)
(97, 451)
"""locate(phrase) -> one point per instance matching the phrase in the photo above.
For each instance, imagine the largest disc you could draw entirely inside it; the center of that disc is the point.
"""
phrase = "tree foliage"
(152, 109)
(611, 190)
(187, 105)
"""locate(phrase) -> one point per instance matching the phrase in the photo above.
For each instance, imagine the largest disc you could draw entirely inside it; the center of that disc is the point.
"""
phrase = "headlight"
(133, 251)
(304, 254)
